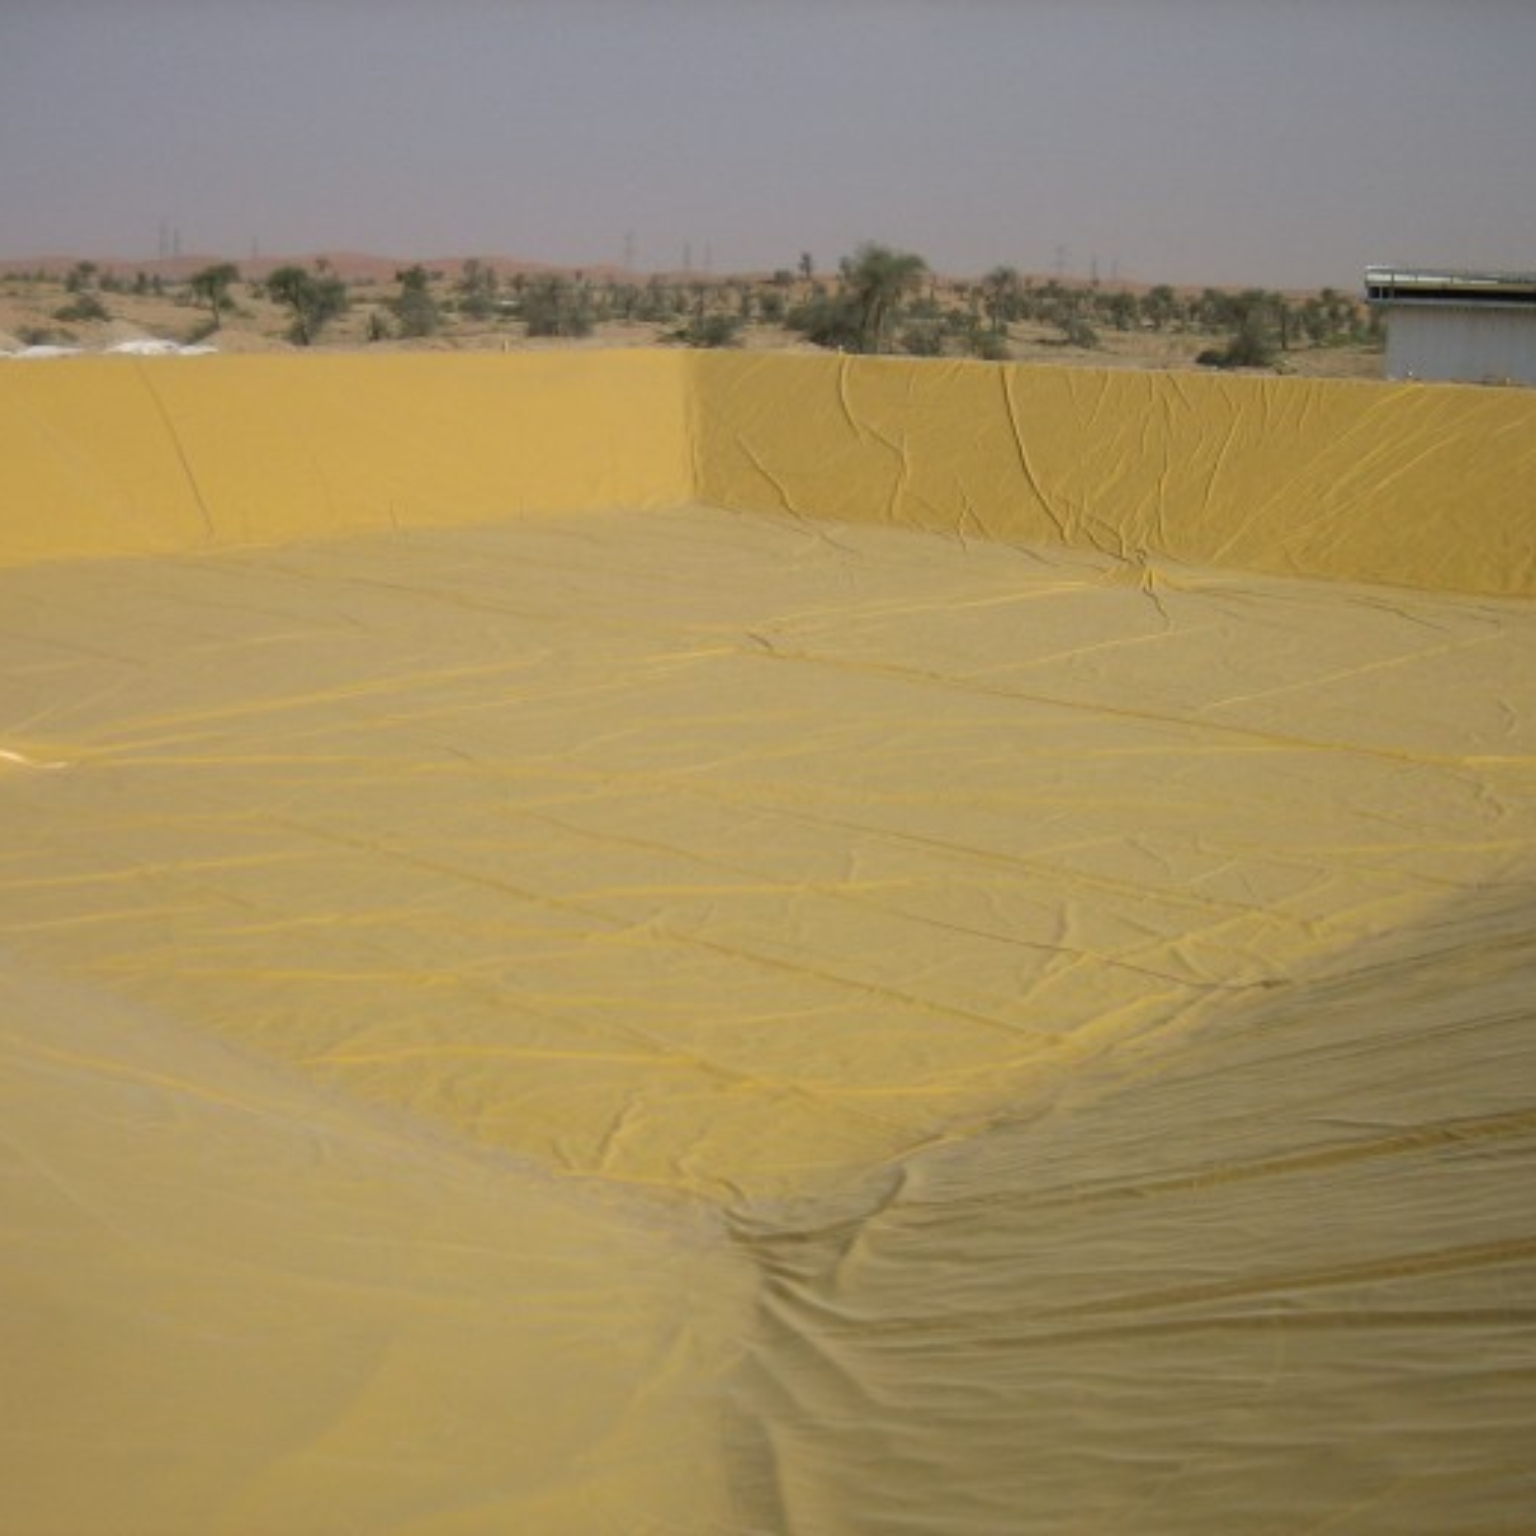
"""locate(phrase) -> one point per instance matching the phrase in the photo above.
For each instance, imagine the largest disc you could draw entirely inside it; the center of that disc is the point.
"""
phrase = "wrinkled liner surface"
(674, 1018)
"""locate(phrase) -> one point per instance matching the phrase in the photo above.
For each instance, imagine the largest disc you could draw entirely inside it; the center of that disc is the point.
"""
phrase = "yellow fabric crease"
(120, 456)
(647, 943)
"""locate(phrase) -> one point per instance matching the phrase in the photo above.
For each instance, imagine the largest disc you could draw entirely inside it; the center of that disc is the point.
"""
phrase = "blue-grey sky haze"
(1269, 142)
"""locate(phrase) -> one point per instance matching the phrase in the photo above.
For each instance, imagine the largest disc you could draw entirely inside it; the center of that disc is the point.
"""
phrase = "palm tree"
(878, 278)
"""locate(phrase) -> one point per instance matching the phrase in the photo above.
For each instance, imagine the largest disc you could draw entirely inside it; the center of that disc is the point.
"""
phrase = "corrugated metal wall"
(1479, 345)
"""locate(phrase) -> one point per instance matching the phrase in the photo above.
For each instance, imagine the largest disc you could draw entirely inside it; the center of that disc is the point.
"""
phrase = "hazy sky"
(1274, 142)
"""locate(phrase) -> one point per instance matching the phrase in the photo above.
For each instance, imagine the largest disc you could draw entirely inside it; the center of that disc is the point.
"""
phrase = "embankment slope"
(654, 943)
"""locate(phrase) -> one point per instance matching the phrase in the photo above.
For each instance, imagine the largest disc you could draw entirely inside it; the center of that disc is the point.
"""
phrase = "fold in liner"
(653, 943)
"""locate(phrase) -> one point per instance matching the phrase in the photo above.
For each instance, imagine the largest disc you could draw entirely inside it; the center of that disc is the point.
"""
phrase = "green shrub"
(1251, 346)
(923, 338)
(1076, 332)
(476, 290)
(554, 306)
(84, 306)
(415, 308)
(711, 331)
(828, 320)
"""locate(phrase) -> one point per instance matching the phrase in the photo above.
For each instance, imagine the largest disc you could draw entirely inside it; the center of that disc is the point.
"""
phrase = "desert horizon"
(371, 266)
(500, 302)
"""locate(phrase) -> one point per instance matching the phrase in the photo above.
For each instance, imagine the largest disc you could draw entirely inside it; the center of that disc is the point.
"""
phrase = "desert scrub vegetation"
(557, 306)
(876, 299)
(711, 330)
(84, 302)
(313, 298)
(874, 284)
(211, 287)
(416, 311)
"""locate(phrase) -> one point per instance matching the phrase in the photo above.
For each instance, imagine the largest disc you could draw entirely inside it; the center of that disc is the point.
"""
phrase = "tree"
(1120, 307)
(86, 302)
(315, 298)
(1330, 319)
(1000, 290)
(878, 279)
(554, 307)
(1076, 331)
(657, 302)
(1252, 345)
(923, 338)
(711, 330)
(827, 320)
(477, 290)
(1215, 310)
(415, 308)
(1263, 315)
(211, 287)
(1161, 306)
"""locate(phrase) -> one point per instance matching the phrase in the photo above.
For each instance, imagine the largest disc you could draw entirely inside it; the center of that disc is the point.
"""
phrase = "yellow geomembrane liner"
(117, 455)
(739, 945)
(1413, 485)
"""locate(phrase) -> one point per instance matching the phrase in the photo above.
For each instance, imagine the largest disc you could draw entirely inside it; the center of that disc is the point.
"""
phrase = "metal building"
(1475, 326)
